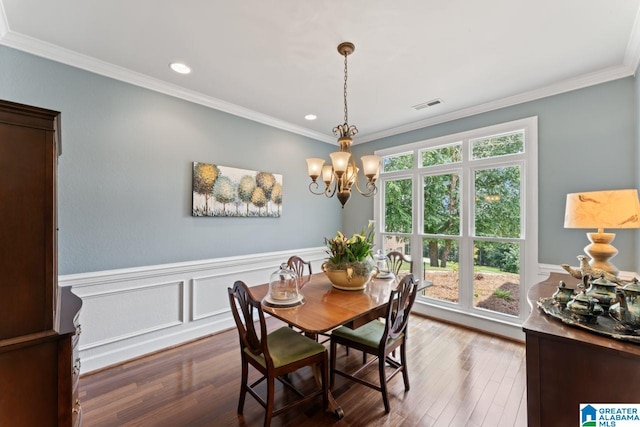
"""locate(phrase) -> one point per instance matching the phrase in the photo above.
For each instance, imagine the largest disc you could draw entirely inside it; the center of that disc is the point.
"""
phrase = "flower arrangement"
(353, 252)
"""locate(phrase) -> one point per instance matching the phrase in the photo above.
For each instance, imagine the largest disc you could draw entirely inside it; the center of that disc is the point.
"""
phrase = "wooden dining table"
(326, 308)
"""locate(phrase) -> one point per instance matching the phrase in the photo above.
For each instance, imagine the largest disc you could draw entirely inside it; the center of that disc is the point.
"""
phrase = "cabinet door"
(29, 384)
(27, 224)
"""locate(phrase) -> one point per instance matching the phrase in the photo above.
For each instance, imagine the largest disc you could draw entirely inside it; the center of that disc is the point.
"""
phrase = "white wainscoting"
(131, 312)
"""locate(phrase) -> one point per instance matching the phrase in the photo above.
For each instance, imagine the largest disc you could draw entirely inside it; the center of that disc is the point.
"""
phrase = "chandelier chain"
(346, 111)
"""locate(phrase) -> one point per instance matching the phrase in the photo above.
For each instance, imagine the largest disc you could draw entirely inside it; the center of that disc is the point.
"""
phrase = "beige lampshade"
(314, 166)
(371, 165)
(351, 175)
(340, 161)
(327, 174)
(603, 209)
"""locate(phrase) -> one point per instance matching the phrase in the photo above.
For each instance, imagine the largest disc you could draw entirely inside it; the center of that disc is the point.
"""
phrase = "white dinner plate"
(294, 302)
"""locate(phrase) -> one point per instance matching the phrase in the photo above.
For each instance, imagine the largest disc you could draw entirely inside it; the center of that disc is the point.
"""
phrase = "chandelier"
(342, 175)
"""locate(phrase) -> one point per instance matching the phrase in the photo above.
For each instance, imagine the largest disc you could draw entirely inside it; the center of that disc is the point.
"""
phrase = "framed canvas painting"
(232, 192)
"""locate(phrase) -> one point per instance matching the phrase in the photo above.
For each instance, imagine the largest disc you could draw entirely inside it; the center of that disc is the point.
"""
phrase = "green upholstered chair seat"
(369, 337)
(369, 334)
(287, 346)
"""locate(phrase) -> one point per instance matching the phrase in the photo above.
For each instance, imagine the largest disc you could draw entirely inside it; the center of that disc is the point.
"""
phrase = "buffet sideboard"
(567, 366)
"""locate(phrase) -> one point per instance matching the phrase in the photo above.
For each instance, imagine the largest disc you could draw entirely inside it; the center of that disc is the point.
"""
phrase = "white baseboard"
(128, 313)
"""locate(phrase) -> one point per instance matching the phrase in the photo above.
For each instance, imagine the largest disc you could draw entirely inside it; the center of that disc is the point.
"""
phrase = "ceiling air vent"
(428, 104)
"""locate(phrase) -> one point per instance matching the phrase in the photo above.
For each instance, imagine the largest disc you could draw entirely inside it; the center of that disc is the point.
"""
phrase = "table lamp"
(602, 209)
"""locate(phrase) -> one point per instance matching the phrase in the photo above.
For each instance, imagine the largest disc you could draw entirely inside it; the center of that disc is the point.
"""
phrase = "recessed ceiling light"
(310, 117)
(180, 68)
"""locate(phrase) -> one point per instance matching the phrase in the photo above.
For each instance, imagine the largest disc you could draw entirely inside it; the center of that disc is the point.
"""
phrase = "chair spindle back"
(298, 265)
(400, 304)
(244, 308)
(396, 259)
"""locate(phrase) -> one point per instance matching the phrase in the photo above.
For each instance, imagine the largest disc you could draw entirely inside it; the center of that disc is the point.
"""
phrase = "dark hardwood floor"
(458, 378)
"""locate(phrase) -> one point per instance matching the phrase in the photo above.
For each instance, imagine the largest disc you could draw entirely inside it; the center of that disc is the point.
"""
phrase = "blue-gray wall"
(124, 188)
(125, 173)
(586, 141)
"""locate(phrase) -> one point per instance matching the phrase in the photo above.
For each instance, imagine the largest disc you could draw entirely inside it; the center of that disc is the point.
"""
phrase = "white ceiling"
(274, 61)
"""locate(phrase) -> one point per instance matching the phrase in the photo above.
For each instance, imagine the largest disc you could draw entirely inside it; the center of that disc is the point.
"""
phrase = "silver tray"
(604, 325)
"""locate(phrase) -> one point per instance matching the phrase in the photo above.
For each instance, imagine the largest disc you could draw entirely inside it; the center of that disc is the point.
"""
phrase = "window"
(456, 206)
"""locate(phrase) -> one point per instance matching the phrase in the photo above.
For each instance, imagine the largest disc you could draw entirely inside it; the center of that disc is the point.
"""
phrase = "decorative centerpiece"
(349, 266)
(284, 291)
(585, 309)
(627, 310)
(563, 294)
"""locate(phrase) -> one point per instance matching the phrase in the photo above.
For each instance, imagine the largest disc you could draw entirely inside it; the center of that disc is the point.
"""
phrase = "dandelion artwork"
(233, 192)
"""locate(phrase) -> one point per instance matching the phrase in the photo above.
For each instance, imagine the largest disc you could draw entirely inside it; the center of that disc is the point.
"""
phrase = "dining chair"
(396, 259)
(298, 265)
(274, 354)
(380, 338)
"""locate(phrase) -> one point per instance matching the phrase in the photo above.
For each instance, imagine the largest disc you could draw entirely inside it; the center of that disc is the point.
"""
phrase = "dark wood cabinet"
(567, 366)
(38, 321)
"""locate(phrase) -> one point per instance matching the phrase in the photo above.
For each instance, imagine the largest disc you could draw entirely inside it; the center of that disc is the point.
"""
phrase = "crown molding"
(632, 54)
(74, 59)
(4, 23)
(585, 80)
(77, 60)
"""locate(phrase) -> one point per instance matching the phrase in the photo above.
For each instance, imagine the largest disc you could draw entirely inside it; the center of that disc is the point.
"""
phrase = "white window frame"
(464, 312)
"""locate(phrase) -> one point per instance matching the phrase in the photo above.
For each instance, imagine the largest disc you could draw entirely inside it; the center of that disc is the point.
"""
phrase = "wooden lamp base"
(601, 250)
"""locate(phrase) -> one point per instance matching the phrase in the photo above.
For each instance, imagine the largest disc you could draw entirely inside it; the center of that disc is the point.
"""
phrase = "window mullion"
(465, 154)
(466, 221)
(418, 215)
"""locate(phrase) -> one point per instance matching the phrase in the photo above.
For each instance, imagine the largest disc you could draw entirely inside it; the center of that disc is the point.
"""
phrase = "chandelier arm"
(370, 188)
(314, 185)
(329, 192)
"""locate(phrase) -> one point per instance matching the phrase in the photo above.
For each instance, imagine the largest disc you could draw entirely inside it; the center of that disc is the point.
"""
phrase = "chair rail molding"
(131, 312)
